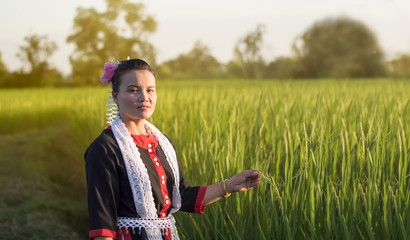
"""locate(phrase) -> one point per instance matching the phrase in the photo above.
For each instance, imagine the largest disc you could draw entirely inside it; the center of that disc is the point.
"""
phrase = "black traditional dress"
(109, 190)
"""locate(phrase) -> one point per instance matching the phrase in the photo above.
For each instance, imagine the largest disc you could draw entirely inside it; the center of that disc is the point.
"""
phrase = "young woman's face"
(137, 95)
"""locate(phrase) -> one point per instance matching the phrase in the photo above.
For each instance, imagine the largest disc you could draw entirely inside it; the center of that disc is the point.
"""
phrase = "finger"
(254, 182)
(251, 172)
(254, 178)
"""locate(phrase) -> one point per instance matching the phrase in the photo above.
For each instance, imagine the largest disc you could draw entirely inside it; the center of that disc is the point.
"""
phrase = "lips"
(143, 107)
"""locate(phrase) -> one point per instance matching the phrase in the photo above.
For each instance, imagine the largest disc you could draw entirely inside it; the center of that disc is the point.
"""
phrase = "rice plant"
(333, 154)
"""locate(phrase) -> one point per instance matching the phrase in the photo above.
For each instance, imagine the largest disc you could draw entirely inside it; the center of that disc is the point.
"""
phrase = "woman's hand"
(238, 183)
(243, 181)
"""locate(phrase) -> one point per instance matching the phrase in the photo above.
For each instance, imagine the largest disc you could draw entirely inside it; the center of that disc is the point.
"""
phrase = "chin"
(146, 116)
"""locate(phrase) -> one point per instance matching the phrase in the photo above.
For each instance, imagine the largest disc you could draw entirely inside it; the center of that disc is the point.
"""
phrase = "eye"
(133, 90)
(150, 90)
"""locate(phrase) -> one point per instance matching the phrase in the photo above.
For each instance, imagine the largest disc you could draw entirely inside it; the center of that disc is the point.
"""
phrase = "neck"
(135, 127)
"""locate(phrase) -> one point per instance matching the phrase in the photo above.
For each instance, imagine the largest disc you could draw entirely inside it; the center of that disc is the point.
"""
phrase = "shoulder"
(103, 144)
(106, 138)
(169, 139)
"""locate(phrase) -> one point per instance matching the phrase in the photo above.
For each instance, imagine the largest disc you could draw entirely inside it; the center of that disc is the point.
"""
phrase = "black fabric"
(109, 190)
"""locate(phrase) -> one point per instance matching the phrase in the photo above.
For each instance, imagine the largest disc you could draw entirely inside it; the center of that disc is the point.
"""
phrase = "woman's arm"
(103, 188)
(240, 182)
(102, 238)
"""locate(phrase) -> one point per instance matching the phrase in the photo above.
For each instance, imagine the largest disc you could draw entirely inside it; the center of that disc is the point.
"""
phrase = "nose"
(143, 97)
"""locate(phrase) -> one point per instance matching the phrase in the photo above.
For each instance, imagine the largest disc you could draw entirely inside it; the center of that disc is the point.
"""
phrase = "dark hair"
(126, 66)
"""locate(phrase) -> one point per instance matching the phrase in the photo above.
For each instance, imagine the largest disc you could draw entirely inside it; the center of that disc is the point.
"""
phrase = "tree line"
(334, 47)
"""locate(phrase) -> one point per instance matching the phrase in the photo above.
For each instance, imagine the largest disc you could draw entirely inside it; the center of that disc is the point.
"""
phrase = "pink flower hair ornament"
(109, 71)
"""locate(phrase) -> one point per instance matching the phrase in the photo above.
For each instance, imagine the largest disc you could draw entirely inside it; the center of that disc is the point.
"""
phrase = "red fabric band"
(199, 208)
(102, 233)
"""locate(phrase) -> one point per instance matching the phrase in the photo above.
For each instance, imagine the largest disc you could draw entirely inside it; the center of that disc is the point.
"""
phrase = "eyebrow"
(136, 86)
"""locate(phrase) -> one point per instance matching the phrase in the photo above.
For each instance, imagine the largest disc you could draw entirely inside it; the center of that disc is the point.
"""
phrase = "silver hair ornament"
(112, 109)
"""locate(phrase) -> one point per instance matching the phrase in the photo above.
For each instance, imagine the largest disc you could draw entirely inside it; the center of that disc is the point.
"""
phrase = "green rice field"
(333, 154)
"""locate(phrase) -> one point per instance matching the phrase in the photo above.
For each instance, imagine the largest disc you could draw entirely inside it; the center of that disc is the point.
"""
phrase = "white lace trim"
(171, 157)
(156, 226)
(138, 174)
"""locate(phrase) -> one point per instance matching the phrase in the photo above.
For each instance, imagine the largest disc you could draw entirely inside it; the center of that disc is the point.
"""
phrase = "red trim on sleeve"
(102, 233)
(199, 207)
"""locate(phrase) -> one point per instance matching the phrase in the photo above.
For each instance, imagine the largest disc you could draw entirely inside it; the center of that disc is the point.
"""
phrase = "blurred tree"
(281, 67)
(115, 34)
(3, 69)
(197, 63)
(248, 53)
(36, 53)
(36, 70)
(339, 47)
(400, 67)
(234, 69)
(4, 73)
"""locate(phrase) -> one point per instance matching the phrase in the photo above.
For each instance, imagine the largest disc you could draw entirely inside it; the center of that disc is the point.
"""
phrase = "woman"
(133, 178)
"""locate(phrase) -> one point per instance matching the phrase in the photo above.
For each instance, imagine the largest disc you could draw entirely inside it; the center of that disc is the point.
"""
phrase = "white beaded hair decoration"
(112, 108)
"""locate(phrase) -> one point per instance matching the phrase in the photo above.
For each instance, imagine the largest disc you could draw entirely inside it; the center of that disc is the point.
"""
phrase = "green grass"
(333, 156)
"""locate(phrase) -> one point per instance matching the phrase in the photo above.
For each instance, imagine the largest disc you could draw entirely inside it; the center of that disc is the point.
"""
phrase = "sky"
(216, 23)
